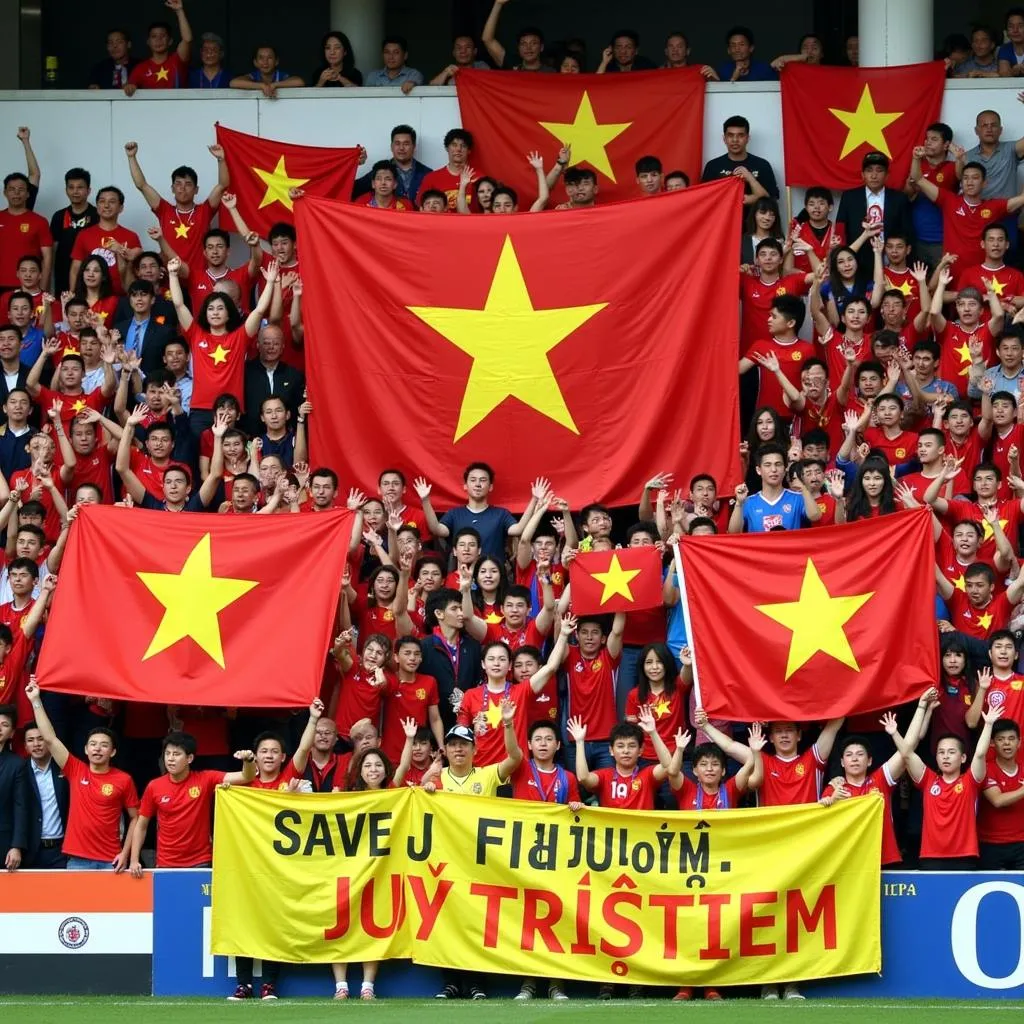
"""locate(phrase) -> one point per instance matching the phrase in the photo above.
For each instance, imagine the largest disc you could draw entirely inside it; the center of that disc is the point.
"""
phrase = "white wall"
(90, 128)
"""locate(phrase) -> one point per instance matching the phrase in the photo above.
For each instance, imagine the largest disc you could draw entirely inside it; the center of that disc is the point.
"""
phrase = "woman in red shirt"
(96, 288)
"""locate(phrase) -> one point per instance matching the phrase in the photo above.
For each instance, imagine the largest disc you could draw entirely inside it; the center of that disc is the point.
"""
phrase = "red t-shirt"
(1006, 282)
(490, 737)
(51, 524)
(822, 247)
(12, 617)
(669, 716)
(398, 205)
(828, 417)
(794, 780)
(1009, 520)
(592, 691)
(285, 776)
(827, 506)
(151, 475)
(899, 449)
(171, 73)
(359, 698)
(964, 223)
(1008, 694)
(73, 404)
(13, 666)
(21, 234)
(95, 241)
(218, 364)
(832, 344)
(791, 358)
(444, 181)
(292, 355)
(556, 786)
(372, 618)
(1001, 824)
(631, 792)
(980, 623)
(95, 469)
(905, 282)
(757, 298)
(999, 455)
(950, 565)
(879, 781)
(202, 283)
(405, 700)
(955, 360)
(97, 802)
(918, 483)
(184, 231)
(969, 449)
(949, 828)
(184, 837)
(527, 636)
(691, 797)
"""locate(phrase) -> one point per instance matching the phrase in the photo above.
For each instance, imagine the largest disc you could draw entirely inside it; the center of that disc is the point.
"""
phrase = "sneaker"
(636, 992)
(712, 994)
(792, 992)
(240, 993)
(557, 993)
(684, 995)
(268, 992)
(769, 991)
(525, 993)
(448, 992)
(604, 992)
(341, 993)
(477, 993)
(367, 993)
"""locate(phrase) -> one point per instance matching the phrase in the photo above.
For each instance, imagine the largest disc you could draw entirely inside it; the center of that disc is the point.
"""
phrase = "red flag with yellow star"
(609, 121)
(263, 170)
(554, 345)
(808, 625)
(624, 580)
(186, 608)
(833, 117)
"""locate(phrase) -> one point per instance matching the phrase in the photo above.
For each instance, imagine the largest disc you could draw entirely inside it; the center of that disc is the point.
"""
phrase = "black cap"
(874, 159)
(460, 732)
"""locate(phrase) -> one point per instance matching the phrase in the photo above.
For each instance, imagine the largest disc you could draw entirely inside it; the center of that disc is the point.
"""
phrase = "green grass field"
(57, 1010)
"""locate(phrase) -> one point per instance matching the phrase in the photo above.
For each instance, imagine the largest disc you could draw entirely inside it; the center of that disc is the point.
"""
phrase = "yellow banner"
(721, 897)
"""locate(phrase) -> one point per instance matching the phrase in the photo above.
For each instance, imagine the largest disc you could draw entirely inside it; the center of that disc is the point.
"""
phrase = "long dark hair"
(106, 288)
(234, 320)
(478, 594)
(857, 504)
(643, 684)
(355, 783)
(862, 279)
(754, 443)
(760, 205)
(348, 62)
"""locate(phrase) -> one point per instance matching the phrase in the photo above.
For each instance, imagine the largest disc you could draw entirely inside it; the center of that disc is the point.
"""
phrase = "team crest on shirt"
(958, 788)
(996, 699)
(636, 785)
(985, 214)
(800, 770)
(388, 615)
(107, 789)
(940, 178)
(936, 789)
(822, 507)
(556, 579)
(796, 357)
(596, 667)
(901, 453)
(476, 788)
(1017, 684)
(194, 791)
(24, 228)
(780, 290)
(421, 694)
(787, 507)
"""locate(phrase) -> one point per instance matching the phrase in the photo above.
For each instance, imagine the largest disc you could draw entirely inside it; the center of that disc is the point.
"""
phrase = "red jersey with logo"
(95, 241)
(12, 668)
(444, 181)
(757, 298)
(1009, 520)
(904, 282)
(794, 780)
(285, 776)
(828, 417)
(827, 506)
(552, 786)
(691, 796)
(21, 234)
(879, 781)
(490, 733)
(204, 283)
(592, 691)
(964, 223)
(833, 234)
(1007, 694)
(171, 73)
(73, 404)
(12, 617)
(633, 791)
(398, 205)
(405, 700)
(832, 344)
(526, 577)
(97, 802)
(218, 364)
(1006, 282)
(899, 449)
(51, 524)
(952, 568)
(292, 355)
(358, 697)
(669, 716)
(373, 618)
(955, 360)
(184, 837)
(969, 449)
(184, 231)
(1002, 824)
(999, 455)
(95, 469)
(526, 636)
(980, 623)
(949, 828)
(150, 474)
(791, 358)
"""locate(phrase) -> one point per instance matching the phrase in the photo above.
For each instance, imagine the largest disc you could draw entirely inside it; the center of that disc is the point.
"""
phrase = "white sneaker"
(792, 992)
(557, 993)
(769, 991)
(524, 994)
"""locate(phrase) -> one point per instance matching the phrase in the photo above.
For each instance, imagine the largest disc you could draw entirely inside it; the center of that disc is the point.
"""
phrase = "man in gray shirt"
(394, 51)
(1000, 160)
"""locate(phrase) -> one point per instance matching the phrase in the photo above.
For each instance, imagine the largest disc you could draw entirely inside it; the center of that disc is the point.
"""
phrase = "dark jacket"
(897, 219)
(154, 341)
(364, 184)
(13, 804)
(35, 806)
(437, 663)
(5, 390)
(289, 384)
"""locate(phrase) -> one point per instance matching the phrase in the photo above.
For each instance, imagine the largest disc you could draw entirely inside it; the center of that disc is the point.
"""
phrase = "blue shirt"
(405, 74)
(758, 71)
(283, 448)
(277, 76)
(761, 515)
(197, 79)
(675, 636)
(1009, 54)
(492, 524)
(31, 345)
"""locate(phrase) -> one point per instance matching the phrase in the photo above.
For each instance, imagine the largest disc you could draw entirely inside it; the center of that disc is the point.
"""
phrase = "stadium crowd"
(881, 364)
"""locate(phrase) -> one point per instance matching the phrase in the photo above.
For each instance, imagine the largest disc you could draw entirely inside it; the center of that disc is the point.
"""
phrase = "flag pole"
(686, 621)
(789, 206)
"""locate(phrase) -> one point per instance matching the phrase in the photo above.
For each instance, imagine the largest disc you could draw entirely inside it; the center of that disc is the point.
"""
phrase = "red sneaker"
(268, 992)
(712, 993)
(242, 992)
(685, 994)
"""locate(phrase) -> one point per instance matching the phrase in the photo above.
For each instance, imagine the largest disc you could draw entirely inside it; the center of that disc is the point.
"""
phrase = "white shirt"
(875, 206)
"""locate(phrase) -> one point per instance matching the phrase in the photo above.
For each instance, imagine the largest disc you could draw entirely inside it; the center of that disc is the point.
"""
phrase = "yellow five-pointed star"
(181, 230)
(220, 355)
(586, 137)
(994, 285)
(616, 580)
(278, 182)
(662, 708)
(904, 287)
(985, 620)
(960, 583)
(865, 124)
(987, 531)
(816, 620)
(78, 406)
(493, 618)
(964, 353)
(509, 341)
(493, 715)
(191, 600)
(162, 74)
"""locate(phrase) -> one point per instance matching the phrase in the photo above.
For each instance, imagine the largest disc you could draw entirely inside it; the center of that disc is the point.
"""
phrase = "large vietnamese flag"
(263, 171)
(610, 121)
(588, 346)
(832, 117)
(813, 624)
(186, 608)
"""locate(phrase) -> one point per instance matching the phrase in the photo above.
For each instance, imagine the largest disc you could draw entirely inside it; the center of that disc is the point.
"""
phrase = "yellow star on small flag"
(181, 230)
(865, 124)
(816, 620)
(278, 182)
(162, 75)
(493, 715)
(192, 600)
(662, 708)
(509, 341)
(616, 580)
(220, 355)
(586, 137)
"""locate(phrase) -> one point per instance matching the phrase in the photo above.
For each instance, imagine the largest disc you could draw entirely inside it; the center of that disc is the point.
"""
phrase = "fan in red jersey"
(1001, 814)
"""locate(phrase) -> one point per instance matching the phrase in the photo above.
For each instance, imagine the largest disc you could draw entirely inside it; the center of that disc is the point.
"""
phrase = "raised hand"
(756, 738)
(421, 487)
(645, 718)
(173, 266)
(508, 711)
(229, 200)
(888, 722)
(575, 727)
(682, 739)
(138, 414)
(355, 500)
